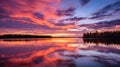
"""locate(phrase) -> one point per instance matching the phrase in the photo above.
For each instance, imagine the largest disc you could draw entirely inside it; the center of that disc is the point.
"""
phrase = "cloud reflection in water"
(57, 52)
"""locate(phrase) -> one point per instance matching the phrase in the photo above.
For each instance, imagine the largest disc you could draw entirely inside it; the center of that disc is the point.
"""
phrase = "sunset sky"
(58, 17)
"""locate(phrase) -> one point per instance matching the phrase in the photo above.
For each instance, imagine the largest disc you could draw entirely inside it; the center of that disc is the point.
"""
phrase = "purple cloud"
(102, 24)
(67, 12)
(60, 23)
(38, 15)
(18, 24)
(109, 10)
(84, 2)
(74, 19)
(4, 13)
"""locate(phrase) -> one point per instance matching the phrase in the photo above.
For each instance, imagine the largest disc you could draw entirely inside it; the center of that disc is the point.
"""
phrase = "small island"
(23, 36)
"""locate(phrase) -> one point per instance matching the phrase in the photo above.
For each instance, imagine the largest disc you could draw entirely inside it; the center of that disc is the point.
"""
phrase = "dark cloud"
(74, 19)
(64, 24)
(38, 15)
(84, 2)
(100, 16)
(109, 10)
(67, 12)
(102, 24)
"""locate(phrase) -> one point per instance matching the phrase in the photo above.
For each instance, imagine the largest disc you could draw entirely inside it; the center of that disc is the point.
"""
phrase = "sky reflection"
(57, 52)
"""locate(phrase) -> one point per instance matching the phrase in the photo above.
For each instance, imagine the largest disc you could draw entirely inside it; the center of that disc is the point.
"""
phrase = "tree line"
(107, 34)
(23, 36)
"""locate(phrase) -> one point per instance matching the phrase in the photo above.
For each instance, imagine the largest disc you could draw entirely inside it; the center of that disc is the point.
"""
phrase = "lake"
(59, 52)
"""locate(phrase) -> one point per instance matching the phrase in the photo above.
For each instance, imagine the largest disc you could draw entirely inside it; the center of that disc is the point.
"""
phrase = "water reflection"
(58, 52)
(106, 41)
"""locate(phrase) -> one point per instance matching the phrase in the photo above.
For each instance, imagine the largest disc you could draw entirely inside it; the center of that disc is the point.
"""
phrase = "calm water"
(58, 52)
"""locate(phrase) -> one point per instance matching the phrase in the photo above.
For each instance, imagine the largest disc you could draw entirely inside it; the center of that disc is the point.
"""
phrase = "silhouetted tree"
(108, 34)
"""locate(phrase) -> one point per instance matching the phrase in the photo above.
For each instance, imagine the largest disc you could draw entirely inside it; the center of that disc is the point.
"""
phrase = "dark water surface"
(58, 52)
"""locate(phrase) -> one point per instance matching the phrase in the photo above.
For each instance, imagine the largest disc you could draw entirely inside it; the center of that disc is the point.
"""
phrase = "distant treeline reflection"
(105, 41)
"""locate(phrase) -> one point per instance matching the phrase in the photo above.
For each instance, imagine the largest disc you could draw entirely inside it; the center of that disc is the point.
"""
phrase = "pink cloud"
(27, 8)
